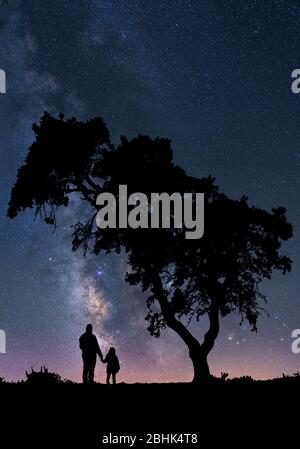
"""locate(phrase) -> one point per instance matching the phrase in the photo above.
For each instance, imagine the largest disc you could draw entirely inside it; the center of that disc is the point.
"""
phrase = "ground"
(68, 415)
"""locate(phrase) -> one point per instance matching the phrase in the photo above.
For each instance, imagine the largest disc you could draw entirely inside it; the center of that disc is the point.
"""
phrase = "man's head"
(89, 329)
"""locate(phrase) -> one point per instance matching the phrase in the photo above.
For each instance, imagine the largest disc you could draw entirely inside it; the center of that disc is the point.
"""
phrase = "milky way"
(213, 76)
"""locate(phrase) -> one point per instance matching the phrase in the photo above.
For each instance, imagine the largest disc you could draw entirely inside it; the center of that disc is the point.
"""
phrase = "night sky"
(213, 76)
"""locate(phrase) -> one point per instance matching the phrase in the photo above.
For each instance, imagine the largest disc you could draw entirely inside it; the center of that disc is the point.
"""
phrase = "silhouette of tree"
(212, 276)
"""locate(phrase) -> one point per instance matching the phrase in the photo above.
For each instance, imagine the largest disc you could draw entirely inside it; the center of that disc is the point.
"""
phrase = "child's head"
(112, 350)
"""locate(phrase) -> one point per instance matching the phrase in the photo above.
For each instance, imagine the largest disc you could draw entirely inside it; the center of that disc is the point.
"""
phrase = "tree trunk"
(198, 353)
(199, 356)
(201, 369)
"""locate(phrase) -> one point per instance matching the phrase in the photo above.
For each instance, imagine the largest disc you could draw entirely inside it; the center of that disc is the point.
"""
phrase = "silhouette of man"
(90, 348)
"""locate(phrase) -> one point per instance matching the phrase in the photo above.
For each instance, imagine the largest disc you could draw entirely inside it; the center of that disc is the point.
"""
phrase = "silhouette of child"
(113, 366)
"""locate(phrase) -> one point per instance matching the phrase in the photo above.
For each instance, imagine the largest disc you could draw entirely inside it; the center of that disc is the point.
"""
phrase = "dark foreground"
(67, 416)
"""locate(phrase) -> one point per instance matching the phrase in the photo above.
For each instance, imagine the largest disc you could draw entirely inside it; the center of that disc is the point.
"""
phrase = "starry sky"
(214, 76)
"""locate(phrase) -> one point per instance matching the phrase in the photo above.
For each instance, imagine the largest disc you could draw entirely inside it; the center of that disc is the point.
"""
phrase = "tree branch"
(214, 327)
(168, 314)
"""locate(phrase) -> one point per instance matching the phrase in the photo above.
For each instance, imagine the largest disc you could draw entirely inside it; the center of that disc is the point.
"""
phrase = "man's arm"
(98, 350)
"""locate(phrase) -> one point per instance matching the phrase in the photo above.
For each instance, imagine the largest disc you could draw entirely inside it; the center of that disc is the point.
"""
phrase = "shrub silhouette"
(224, 376)
(43, 377)
(243, 380)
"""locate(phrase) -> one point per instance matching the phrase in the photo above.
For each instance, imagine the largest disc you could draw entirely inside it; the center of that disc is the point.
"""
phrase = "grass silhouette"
(44, 377)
